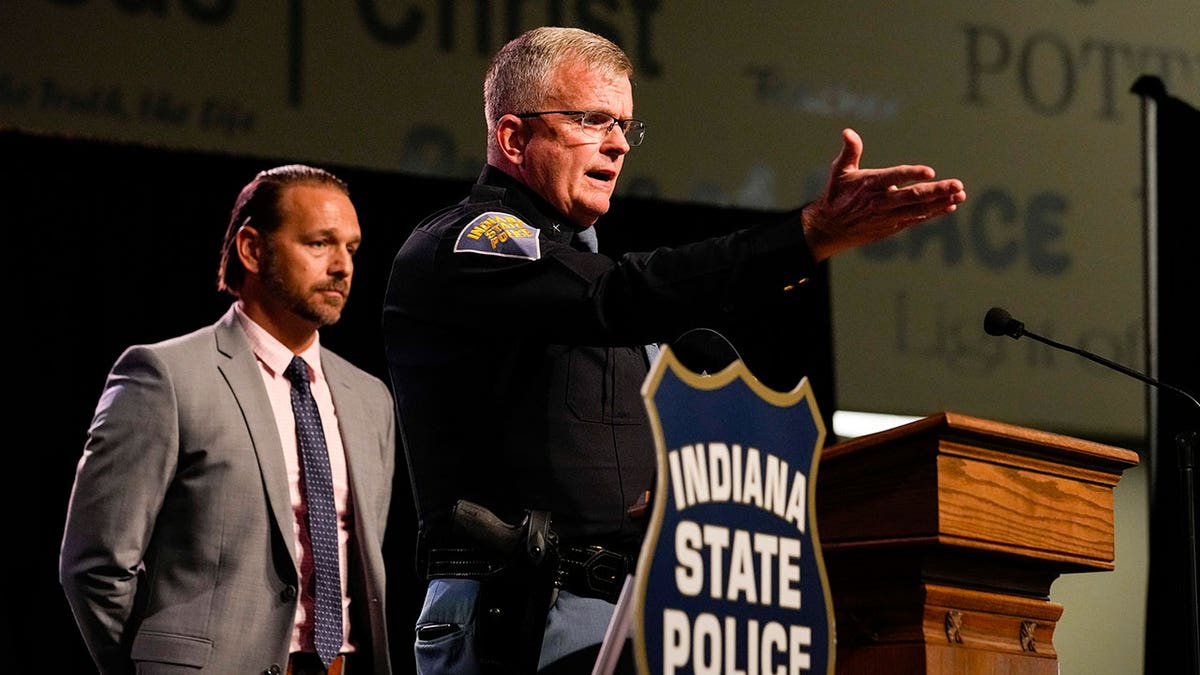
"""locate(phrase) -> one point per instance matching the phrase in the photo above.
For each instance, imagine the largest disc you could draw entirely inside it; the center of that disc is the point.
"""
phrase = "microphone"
(999, 322)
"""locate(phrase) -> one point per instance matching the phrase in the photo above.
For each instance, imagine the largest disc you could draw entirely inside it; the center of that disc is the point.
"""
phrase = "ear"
(249, 245)
(512, 135)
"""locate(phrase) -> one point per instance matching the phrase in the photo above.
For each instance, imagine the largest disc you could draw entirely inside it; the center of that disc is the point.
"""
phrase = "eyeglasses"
(599, 124)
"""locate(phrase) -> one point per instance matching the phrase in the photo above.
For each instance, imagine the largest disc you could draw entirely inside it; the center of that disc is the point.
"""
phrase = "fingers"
(919, 206)
(862, 205)
(851, 154)
(949, 189)
(919, 213)
(902, 175)
(851, 137)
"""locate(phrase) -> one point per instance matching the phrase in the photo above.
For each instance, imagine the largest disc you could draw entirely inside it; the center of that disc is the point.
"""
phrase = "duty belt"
(586, 571)
(593, 571)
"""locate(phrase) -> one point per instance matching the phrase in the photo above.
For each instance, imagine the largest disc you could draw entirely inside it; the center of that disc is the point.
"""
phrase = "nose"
(341, 264)
(615, 141)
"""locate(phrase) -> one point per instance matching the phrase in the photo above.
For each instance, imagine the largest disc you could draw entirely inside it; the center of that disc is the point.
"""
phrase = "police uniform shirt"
(516, 355)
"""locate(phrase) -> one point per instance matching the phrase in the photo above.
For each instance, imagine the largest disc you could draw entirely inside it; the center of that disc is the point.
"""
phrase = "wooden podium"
(941, 539)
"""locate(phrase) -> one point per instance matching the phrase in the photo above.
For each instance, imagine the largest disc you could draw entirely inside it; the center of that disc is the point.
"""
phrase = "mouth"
(339, 292)
(602, 175)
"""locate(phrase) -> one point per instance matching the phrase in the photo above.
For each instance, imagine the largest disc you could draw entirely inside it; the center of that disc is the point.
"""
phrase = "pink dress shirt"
(273, 359)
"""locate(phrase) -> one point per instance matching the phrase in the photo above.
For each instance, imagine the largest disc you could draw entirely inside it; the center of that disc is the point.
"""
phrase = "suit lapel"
(240, 369)
(352, 426)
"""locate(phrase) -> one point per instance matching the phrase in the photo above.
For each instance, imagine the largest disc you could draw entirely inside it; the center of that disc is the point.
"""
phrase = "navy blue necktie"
(322, 514)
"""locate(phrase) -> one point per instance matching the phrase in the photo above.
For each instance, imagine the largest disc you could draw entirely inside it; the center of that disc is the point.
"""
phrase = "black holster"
(515, 593)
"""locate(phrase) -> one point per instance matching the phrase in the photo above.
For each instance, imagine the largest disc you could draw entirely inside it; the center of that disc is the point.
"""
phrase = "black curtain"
(1172, 150)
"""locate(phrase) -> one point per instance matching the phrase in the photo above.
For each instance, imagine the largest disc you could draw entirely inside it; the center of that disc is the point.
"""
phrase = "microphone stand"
(1001, 323)
(1186, 442)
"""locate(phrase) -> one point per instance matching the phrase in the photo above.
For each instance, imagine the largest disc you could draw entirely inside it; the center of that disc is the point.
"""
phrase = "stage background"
(129, 125)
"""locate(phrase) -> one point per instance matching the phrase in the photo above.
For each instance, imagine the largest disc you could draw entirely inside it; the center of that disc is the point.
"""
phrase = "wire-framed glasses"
(599, 124)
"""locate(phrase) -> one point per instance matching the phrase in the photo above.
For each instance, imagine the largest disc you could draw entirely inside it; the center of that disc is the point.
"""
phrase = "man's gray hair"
(522, 72)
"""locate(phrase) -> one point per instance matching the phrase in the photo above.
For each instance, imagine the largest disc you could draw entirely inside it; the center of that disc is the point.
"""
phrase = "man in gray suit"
(188, 545)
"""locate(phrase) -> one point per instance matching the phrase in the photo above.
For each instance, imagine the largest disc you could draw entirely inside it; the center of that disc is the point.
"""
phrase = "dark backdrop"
(117, 245)
(1171, 608)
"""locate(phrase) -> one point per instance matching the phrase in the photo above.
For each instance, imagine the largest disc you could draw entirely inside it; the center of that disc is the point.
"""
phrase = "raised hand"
(859, 206)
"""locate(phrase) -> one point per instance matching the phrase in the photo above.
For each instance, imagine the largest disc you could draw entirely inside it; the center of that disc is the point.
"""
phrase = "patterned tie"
(322, 514)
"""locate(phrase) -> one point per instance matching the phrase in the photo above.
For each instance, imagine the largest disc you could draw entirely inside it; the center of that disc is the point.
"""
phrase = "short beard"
(321, 312)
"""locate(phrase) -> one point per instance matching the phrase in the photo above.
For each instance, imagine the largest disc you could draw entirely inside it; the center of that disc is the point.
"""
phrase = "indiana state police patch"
(730, 577)
(502, 234)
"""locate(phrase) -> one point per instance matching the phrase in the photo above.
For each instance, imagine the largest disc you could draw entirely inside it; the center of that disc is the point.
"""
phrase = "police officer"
(517, 352)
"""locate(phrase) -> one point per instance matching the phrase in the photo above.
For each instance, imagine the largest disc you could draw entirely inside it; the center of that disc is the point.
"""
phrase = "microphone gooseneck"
(998, 321)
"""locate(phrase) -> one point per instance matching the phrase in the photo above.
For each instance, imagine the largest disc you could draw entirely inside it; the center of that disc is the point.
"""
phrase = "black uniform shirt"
(517, 356)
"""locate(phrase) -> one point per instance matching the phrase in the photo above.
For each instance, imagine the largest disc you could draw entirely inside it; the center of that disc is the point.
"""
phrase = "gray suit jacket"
(177, 554)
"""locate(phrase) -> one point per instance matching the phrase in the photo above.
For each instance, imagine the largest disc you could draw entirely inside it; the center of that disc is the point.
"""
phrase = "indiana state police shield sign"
(730, 578)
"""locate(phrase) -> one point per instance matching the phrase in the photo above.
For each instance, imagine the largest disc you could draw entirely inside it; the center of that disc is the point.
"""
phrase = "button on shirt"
(273, 359)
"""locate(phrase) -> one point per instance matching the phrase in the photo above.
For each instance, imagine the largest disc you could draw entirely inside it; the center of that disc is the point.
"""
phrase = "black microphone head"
(999, 322)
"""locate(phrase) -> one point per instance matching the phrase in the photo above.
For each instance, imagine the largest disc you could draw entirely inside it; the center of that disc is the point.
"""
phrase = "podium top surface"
(964, 428)
(975, 431)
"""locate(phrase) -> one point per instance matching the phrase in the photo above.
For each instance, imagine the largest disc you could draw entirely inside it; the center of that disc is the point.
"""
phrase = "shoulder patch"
(502, 234)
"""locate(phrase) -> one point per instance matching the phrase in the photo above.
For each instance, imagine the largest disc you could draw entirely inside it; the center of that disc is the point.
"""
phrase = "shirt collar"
(496, 185)
(271, 352)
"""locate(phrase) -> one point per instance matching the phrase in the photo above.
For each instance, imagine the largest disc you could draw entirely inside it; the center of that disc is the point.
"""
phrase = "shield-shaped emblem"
(730, 578)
